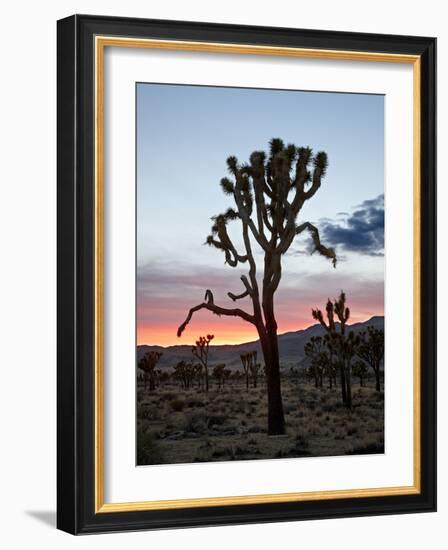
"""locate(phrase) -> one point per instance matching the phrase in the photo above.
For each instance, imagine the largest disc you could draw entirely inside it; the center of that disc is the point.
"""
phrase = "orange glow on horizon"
(227, 331)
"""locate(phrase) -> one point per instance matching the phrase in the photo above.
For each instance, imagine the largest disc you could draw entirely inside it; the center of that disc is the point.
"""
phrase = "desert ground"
(175, 425)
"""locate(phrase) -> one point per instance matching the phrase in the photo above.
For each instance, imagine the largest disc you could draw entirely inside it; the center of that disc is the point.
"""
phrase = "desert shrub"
(170, 395)
(289, 408)
(231, 452)
(177, 405)
(352, 430)
(216, 420)
(148, 412)
(194, 402)
(149, 450)
(301, 440)
(255, 429)
(328, 407)
(196, 422)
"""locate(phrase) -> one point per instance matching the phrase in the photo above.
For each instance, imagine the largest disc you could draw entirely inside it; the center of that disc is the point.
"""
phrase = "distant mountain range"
(291, 346)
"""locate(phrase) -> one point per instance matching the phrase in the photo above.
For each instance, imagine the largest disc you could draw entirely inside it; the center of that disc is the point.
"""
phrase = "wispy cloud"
(167, 290)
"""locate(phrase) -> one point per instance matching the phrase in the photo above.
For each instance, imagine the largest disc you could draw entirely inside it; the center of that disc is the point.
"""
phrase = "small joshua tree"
(359, 369)
(219, 374)
(198, 375)
(184, 372)
(371, 350)
(315, 351)
(269, 193)
(250, 367)
(147, 364)
(200, 350)
(345, 345)
(254, 368)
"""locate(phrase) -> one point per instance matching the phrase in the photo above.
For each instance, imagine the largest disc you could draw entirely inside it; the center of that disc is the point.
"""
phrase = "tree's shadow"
(48, 517)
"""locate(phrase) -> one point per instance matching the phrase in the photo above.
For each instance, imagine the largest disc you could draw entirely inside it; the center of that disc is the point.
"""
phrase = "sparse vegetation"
(229, 423)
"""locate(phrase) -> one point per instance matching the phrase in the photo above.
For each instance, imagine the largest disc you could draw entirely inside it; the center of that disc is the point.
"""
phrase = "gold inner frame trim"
(101, 42)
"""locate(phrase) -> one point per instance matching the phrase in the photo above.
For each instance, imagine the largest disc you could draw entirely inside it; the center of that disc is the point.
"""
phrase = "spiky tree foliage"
(219, 374)
(200, 350)
(371, 350)
(246, 360)
(343, 345)
(147, 364)
(359, 370)
(254, 368)
(315, 351)
(184, 372)
(198, 371)
(268, 193)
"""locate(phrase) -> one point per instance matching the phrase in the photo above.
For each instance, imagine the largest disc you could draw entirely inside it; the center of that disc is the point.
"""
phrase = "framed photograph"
(246, 274)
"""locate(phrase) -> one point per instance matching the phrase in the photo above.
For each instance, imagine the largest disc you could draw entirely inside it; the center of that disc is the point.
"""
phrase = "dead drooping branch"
(217, 310)
(319, 247)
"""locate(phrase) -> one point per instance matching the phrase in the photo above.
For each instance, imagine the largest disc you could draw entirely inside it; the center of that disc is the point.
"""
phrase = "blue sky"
(185, 134)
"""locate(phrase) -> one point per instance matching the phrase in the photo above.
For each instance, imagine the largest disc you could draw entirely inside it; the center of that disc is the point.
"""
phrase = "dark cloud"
(362, 231)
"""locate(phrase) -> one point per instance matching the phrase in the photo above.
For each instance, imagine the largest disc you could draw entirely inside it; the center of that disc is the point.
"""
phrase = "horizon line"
(255, 341)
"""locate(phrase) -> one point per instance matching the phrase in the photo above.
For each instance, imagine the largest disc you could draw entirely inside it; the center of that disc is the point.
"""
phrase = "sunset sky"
(184, 135)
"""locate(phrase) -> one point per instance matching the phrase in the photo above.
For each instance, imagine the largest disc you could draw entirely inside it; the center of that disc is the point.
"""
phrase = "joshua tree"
(371, 350)
(246, 359)
(251, 367)
(147, 364)
(269, 193)
(345, 345)
(219, 374)
(200, 350)
(359, 369)
(198, 375)
(254, 368)
(184, 372)
(315, 350)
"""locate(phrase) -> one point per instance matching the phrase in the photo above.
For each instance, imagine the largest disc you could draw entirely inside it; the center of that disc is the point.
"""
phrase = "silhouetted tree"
(315, 351)
(246, 359)
(199, 375)
(200, 350)
(371, 350)
(359, 369)
(269, 193)
(184, 372)
(254, 368)
(345, 345)
(219, 374)
(147, 364)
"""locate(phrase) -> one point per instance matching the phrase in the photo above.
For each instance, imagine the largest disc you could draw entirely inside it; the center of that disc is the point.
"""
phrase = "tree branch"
(217, 310)
(236, 297)
(247, 292)
(319, 247)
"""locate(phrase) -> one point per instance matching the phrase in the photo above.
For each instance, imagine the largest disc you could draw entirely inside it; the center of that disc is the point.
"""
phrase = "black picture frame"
(76, 271)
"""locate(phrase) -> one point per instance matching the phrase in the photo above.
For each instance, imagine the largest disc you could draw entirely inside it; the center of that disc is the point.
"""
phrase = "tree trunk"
(377, 378)
(348, 383)
(276, 420)
(343, 386)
